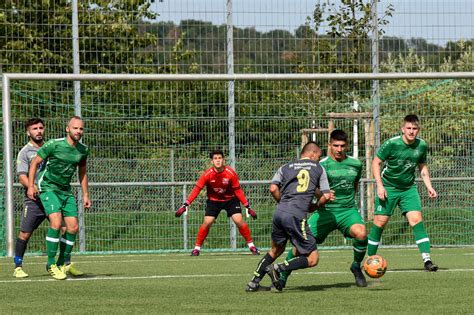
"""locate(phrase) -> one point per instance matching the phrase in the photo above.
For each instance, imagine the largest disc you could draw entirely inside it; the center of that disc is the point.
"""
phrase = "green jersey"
(401, 161)
(62, 160)
(342, 177)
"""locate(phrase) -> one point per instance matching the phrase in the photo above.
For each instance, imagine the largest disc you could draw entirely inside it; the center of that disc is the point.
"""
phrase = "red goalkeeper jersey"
(222, 186)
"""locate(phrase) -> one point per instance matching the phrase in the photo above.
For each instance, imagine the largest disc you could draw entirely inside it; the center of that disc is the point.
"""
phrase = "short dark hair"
(310, 146)
(338, 135)
(33, 121)
(216, 152)
(411, 119)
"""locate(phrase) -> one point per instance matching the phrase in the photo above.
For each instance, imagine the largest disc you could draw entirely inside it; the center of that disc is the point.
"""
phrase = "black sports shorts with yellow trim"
(32, 216)
(288, 227)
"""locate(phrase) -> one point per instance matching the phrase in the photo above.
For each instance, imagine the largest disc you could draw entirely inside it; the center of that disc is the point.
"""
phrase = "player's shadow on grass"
(320, 287)
(414, 270)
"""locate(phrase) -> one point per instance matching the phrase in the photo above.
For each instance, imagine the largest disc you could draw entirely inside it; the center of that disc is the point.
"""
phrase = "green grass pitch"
(215, 283)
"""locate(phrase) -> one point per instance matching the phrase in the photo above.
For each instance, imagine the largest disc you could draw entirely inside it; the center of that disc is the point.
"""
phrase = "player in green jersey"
(396, 186)
(63, 156)
(341, 212)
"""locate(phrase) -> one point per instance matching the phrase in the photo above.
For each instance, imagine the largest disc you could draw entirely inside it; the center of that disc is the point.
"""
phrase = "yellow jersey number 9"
(303, 181)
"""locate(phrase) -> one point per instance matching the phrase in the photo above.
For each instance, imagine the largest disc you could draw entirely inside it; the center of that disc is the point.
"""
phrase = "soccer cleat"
(359, 276)
(195, 252)
(254, 250)
(56, 273)
(72, 270)
(20, 273)
(430, 267)
(253, 286)
(273, 272)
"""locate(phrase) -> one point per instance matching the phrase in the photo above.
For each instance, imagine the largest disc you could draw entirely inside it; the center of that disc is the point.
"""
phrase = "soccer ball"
(375, 266)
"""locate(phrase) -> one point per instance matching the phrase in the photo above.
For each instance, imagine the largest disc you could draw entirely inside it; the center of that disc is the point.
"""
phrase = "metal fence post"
(185, 223)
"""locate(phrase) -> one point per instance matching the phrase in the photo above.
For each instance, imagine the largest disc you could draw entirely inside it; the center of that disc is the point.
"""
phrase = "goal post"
(9, 78)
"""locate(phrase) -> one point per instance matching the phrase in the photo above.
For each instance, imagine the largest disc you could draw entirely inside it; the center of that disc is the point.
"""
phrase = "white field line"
(203, 276)
(184, 258)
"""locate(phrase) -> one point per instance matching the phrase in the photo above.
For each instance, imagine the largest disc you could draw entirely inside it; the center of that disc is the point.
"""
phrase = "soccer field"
(215, 283)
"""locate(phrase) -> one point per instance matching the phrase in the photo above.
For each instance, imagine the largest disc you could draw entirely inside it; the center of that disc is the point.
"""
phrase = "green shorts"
(323, 222)
(406, 199)
(59, 202)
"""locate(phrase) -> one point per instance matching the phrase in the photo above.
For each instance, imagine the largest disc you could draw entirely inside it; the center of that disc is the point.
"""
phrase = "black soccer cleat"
(273, 272)
(430, 267)
(195, 252)
(253, 286)
(358, 275)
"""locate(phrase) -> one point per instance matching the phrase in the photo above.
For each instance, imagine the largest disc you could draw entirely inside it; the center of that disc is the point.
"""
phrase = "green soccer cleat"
(56, 273)
(72, 270)
(20, 273)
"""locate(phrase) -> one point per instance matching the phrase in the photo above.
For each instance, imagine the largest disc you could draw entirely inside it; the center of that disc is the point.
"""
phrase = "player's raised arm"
(425, 176)
(32, 190)
(376, 163)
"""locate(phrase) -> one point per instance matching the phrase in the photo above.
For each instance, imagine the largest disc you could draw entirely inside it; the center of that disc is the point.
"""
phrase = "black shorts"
(287, 227)
(213, 208)
(32, 216)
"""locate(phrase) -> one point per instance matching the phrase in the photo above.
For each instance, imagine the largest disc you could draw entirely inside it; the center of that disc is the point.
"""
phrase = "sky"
(435, 20)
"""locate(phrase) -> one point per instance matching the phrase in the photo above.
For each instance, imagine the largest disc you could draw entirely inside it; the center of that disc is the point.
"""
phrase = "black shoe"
(273, 272)
(195, 252)
(253, 286)
(430, 267)
(359, 276)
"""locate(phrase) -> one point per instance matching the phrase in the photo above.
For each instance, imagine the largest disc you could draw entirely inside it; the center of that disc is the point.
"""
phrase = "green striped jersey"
(342, 177)
(62, 160)
(401, 161)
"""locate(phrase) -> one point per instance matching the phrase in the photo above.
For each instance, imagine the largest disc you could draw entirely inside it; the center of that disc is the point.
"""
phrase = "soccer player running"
(62, 156)
(396, 186)
(223, 192)
(341, 213)
(293, 187)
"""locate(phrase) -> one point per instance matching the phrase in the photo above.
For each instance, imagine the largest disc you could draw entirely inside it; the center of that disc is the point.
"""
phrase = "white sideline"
(202, 276)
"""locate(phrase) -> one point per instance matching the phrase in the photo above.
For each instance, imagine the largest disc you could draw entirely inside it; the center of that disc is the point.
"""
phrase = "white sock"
(250, 244)
(425, 256)
(197, 247)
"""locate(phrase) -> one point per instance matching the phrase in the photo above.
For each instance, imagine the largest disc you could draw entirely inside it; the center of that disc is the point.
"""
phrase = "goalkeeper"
(223, 192)
(341, 213)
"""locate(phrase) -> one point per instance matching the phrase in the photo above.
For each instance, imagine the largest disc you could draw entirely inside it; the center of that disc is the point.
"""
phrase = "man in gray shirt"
(33, 213)
(294, 186)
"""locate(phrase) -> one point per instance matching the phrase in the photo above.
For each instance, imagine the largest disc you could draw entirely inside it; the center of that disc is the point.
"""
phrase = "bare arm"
(425, 176)
(84, 181)
(376, 163)
(275, 191)
(32, 190)
(23, 179)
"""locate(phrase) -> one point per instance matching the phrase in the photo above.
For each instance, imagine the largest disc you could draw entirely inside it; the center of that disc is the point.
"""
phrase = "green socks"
(52, 243)
(374, 240)
(422, 240)
(359, 247)
(65, 248)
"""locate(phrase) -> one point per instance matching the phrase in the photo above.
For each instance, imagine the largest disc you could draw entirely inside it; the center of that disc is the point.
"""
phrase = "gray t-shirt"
(24, 159)
(298, 182)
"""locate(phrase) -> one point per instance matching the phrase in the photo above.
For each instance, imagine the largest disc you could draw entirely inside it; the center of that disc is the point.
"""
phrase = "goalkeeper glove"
(250, 212)
(181, 210)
